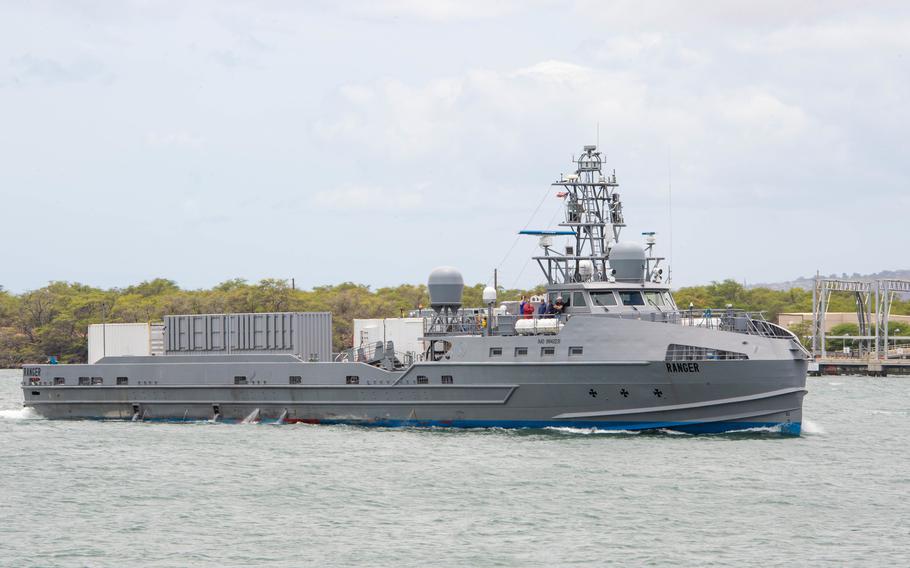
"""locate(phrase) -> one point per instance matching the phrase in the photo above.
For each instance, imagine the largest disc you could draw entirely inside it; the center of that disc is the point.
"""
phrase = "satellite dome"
(446, 286)
(585, 269)
(628, 261)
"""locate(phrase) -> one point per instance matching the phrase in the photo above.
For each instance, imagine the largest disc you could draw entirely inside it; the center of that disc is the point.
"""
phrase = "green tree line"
(54, 320)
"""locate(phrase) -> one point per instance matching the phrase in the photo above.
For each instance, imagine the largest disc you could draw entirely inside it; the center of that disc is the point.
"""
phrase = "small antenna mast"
(670, 213)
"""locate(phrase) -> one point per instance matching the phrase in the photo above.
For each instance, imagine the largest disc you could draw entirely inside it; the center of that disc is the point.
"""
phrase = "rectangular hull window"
(240, 380)
(295, 380)
(123, 381)
(676, 352)
(447, 380)
(352, 380)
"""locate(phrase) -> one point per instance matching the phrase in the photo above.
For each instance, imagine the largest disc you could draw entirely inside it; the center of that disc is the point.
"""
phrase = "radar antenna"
(593, 217)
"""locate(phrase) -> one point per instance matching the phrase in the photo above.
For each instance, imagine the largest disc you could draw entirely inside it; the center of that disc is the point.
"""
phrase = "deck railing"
(728, 319)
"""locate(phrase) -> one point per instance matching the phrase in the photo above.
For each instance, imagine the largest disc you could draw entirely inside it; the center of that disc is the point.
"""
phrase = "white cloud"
(484, 111)
(436, 10)
(862, 33)
(368, 198)
(180, 139)
(460, 110)
(761, 114)
(556, 72)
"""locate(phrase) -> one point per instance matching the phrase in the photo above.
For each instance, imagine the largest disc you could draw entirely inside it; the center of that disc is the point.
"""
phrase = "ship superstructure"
(615, 353)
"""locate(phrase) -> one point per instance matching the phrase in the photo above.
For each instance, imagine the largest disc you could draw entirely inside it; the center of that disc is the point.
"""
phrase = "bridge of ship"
(647, 302)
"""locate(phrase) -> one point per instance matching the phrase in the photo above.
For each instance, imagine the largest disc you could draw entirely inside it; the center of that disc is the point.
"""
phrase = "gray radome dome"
(446, 286)
(628, 260)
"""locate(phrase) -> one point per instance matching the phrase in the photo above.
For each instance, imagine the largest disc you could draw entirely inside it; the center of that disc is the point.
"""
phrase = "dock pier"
(879, 354)
(857, 366)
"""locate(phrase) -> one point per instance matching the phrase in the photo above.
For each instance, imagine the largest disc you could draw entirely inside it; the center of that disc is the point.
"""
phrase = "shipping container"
(116, 339)
(406, 333)
(307, 335)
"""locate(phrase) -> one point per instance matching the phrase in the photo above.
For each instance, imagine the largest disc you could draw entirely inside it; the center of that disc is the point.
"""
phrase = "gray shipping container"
(305, 334)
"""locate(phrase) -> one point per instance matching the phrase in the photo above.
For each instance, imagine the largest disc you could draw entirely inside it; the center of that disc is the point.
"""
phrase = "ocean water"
(141, 494)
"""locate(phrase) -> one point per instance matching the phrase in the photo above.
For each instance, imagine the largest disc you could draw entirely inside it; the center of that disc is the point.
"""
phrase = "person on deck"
(559, 307)
(528, 310)
(551, 309)
(542, 309)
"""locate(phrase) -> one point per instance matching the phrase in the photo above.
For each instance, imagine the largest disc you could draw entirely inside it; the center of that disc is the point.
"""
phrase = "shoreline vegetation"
(54, 320)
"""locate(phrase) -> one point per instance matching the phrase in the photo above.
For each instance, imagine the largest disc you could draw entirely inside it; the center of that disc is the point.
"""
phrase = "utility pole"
(103, 330)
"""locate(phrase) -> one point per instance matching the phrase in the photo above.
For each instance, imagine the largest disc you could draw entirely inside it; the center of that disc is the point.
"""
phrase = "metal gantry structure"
(887, 288)
(821, 296)
(873, 309)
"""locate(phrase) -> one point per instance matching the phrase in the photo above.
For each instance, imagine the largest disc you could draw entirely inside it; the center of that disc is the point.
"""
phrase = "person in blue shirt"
(545, 309)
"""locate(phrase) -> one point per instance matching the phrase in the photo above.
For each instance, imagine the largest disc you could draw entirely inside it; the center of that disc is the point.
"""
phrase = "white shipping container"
(119, 339)
(405, 332)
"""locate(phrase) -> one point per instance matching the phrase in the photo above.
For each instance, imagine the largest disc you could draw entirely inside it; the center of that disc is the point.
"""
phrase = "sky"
(371, 141)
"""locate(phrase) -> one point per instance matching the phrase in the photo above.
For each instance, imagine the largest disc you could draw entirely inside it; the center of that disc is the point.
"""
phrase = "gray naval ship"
(619, 355)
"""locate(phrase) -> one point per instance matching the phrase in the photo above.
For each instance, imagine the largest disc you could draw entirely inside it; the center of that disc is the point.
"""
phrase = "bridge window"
(631, 298)
(578, 298)
(495, 351)
(547, 351)
(447, 380)
(59, 381)
(676, 352)
(84, 381)
(295, 380)
(655, 299)
(240, 380)
(123, 381)
(603, 299)
(352, 380)
(421, 380)
(566, 298)
(521, 351)
(576, 351)
(97, 381)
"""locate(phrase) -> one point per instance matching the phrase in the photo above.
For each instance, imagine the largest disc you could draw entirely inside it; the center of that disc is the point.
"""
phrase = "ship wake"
(19, 414)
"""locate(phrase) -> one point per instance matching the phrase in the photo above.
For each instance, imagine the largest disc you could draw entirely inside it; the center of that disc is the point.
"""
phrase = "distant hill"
(808, 282)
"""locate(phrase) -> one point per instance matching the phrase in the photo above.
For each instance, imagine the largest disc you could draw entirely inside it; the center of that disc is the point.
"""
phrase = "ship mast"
(593, 216)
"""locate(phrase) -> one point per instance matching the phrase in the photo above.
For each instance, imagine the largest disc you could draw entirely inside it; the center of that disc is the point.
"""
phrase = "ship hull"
(720, 396)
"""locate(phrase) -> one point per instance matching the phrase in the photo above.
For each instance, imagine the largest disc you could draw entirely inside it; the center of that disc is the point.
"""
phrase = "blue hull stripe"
(785, 428)
(791, 429)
